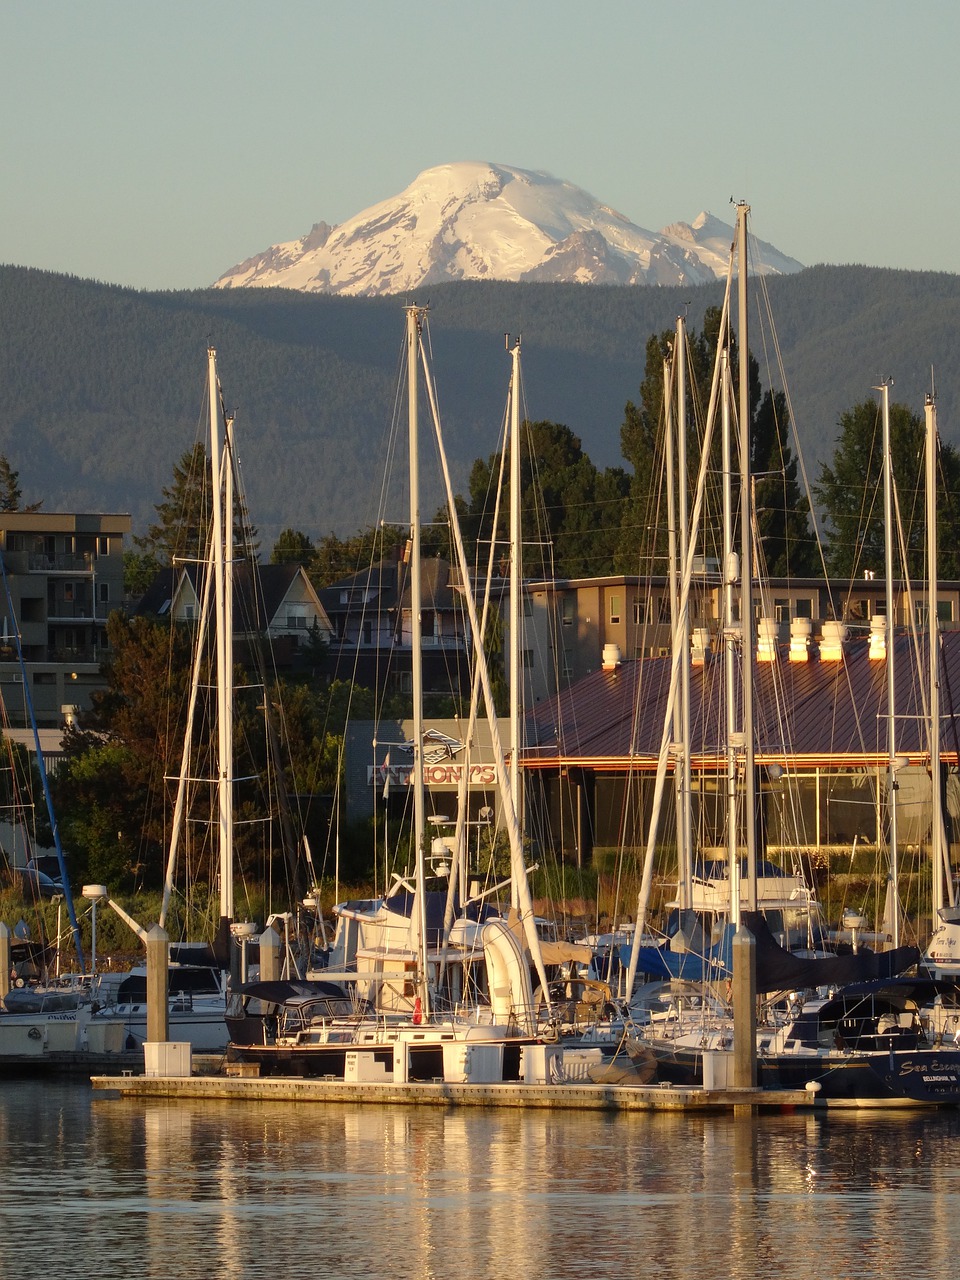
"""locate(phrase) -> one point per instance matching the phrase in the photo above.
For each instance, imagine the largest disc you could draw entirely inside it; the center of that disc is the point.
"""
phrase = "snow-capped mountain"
(473, 221)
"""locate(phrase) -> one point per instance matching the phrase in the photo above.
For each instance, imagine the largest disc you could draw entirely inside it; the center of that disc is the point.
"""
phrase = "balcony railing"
(74, 653)
(62, 562)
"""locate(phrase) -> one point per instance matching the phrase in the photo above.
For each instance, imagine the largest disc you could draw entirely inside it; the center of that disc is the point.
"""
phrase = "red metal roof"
(812, 712)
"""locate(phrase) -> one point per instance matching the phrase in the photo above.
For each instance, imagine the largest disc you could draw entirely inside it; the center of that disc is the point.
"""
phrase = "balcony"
(74, 653)
(62, 562)
(70, 612)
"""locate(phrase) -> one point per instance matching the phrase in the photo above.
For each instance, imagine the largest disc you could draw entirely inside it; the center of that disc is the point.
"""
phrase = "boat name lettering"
(931, 1071)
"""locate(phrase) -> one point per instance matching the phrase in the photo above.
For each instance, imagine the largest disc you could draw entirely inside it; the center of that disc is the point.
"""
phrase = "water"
(204, 1189)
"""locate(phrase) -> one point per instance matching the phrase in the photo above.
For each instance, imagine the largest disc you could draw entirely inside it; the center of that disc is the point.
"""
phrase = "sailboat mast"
(686, 826)
(224, 672)
(516, 606)
(673, 577)
(746, 567)
(892, 890)
(731, 573)
(414, 322)
(939, 855)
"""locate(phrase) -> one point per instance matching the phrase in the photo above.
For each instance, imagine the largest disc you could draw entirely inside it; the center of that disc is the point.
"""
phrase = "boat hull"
(907, 1078)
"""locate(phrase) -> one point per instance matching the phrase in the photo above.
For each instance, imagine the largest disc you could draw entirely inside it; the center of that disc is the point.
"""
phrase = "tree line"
(594, 521)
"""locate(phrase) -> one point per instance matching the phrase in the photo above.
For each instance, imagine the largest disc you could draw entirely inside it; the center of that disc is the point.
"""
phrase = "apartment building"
(64, 574)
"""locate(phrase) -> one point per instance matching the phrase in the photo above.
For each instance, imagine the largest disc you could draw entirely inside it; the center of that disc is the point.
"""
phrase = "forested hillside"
(101, 387)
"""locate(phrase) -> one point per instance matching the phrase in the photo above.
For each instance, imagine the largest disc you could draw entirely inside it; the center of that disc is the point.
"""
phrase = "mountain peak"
(475, 220)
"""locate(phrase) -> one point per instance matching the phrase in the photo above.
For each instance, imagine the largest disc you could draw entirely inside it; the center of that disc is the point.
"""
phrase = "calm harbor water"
(197, 1189)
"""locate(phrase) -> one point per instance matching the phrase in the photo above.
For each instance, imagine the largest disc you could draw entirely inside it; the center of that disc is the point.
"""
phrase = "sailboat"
(408, 993)
(197, 978)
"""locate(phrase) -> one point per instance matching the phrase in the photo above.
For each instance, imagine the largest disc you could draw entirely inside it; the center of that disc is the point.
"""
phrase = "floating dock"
(67, 1062)
(569, 1097)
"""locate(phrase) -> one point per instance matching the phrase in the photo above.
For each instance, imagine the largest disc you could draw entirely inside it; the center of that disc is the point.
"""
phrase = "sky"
(155, 145)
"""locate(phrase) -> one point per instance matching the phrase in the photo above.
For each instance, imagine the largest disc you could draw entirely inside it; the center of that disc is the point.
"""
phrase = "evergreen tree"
(11, 495)
(182, 529)
(567, 504)
(850, 492)
(782, 510)
(184, 517)
(292, 547)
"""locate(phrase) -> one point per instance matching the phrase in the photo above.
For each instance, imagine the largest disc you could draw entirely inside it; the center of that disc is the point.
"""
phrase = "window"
(296, 621)
(616, 606)
(68, 592)
(103, 592)
(641, 610)
(368, 633)
(781, 610)
(803, 608)
(567, 610)
(103, 546)
(944, 612)
(526, 659)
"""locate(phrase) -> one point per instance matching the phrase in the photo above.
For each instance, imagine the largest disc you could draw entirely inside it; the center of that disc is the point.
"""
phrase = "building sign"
(434, 775)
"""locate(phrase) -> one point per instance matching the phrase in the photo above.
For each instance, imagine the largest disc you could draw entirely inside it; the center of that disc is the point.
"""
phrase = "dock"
(579, 1096)
(67, 1062)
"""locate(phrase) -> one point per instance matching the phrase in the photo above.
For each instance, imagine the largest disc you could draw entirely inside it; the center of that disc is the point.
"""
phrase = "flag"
(385, 774)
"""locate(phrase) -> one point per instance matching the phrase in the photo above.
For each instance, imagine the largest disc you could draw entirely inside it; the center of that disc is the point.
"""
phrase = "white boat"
(195, 1011)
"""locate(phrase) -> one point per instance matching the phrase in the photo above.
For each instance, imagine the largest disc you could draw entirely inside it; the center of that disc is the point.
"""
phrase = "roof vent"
(801, 631)
(833, 641)
(766, 640)
(611, 657)
(878, 638)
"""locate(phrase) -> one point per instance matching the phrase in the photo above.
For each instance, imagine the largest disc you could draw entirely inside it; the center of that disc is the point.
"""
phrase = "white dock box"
(167, 1058)
(541, 1063)
(361, 1067)
(473, 1063)
(717, 1068)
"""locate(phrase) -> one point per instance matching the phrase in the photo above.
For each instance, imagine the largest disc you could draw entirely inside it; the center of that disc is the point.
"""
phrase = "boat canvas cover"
(782, 970)
(777, 968)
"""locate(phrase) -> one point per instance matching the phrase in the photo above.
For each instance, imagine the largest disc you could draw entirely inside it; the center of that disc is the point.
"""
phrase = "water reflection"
(197, 1189)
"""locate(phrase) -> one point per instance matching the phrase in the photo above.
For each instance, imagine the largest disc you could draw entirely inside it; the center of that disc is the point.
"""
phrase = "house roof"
(259, 591)
(812, 712)
(388, 583)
